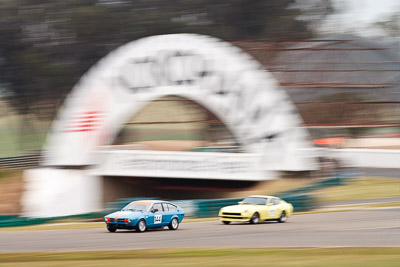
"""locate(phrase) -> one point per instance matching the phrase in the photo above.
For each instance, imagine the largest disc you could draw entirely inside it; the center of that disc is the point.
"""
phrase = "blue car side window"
(172, 207)
(157, 207)
(165, 206)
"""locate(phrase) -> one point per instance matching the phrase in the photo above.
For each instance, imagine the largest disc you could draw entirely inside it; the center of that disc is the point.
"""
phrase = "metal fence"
(22, 162)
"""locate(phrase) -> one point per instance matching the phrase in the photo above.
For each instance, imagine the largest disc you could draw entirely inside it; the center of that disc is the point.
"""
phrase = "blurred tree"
(391, 25)
(345, 108)
(46, 46)
(314, 12)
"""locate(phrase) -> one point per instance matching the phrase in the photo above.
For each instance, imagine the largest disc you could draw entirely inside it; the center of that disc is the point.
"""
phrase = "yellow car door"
(275, 208)
(264, 211)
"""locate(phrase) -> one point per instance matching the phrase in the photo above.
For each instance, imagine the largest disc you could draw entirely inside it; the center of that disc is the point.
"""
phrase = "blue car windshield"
(137, 206)
(255, 201)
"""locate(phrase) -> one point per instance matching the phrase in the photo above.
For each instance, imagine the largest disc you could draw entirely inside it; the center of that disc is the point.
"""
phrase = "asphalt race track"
(368, 228)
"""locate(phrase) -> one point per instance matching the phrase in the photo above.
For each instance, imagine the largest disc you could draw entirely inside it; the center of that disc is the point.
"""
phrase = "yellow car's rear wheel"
(226, 222)
(283, 217)
(255, 218)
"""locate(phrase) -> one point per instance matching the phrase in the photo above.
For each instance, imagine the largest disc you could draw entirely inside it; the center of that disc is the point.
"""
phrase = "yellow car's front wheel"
(226, 222)
(255, 218)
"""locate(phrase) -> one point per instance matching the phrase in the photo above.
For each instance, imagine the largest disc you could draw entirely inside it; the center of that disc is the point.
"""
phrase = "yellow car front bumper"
(234, 218)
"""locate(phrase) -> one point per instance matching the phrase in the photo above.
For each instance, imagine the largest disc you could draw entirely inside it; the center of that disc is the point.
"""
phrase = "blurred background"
(338, 61)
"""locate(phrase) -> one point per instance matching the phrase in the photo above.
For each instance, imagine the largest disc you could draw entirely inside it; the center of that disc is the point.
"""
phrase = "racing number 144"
(157, 219)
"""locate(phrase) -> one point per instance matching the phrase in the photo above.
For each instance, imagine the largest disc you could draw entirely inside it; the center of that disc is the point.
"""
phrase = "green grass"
(382, 205)
(367, 206)
(327, 257)
(362, 188)
(6, 174)
(17, 137)
(348, 208)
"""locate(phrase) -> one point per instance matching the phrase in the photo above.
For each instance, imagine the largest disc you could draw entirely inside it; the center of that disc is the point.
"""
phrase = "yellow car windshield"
(254, 201)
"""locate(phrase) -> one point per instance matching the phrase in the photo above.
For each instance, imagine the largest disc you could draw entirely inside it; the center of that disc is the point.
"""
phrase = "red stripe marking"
(81, 130)
(87, 117)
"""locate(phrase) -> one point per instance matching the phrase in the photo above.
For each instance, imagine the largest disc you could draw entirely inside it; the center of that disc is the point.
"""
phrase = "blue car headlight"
(129, 221)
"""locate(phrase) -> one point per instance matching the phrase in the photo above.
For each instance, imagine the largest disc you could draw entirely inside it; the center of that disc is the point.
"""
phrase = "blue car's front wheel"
(111, 228)
(141, 226)
(174, 224)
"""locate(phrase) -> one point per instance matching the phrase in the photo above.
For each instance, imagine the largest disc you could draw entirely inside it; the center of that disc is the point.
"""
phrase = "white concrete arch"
(217, 75)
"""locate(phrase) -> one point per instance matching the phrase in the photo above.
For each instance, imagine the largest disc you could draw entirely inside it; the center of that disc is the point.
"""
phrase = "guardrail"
(367, 158)
(12, 221)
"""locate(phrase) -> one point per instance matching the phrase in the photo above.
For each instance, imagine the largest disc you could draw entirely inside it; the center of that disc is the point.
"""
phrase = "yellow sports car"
(255, 209)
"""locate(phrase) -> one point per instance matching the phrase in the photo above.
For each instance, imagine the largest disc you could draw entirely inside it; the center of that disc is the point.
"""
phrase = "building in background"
(342, 85)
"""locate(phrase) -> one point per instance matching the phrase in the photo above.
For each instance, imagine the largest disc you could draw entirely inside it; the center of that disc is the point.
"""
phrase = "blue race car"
(144, 214)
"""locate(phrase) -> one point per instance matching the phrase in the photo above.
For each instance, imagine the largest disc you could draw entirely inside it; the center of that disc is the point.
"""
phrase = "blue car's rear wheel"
(111, 228)
(174, 224)
(141, 226)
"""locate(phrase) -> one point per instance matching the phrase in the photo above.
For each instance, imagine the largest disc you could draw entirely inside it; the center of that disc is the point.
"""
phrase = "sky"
(359, 15)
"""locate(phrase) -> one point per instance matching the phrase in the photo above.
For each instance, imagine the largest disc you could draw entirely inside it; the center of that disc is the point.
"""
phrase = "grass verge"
(353, 208)
(7, 174)
(362, 188)
(326, 257)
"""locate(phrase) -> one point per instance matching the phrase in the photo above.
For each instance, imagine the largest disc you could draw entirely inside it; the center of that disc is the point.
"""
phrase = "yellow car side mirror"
(240, 202)
(270, 204)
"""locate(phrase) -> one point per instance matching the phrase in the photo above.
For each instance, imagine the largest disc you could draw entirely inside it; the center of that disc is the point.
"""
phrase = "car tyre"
(255, 218)
(226, 222)
(283, 218)
(141, 226)
(111, 228)
(174, 224)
